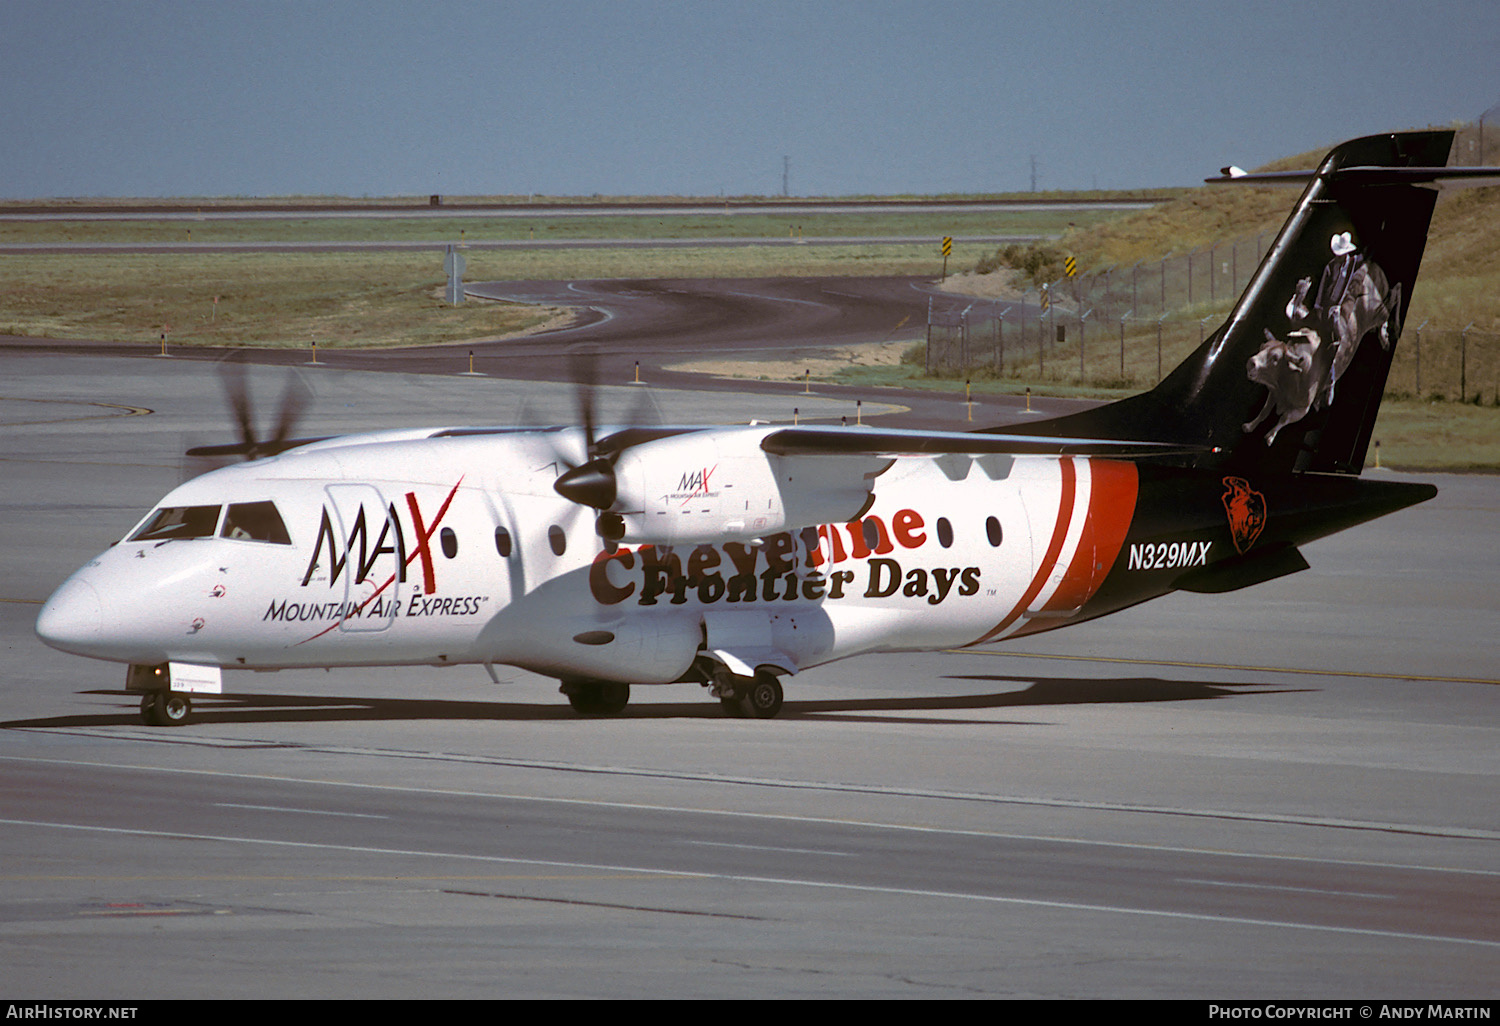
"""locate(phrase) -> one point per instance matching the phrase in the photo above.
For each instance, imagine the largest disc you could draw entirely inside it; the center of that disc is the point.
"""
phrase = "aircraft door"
(369, 554)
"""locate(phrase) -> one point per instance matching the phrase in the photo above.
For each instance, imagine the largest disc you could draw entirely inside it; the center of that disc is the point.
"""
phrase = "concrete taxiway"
(1283, 792)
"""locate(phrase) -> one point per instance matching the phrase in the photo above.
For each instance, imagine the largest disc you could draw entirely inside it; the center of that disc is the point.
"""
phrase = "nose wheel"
(166, 709)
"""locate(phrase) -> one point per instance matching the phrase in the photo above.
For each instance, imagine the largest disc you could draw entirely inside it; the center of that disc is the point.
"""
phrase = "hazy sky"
(706, 97)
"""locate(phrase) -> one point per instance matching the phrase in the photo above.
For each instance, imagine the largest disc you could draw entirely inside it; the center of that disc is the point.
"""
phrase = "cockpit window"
(171, 523)
(255, 521)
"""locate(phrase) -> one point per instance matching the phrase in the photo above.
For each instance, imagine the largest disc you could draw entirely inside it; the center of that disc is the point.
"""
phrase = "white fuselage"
(409, 549)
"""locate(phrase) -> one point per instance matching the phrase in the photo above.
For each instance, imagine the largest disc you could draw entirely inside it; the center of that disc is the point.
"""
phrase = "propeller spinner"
(593, 483)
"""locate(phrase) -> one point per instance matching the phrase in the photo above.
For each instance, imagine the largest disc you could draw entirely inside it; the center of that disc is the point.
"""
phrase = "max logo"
(696, 480)
(360, 551)
(1246, 509)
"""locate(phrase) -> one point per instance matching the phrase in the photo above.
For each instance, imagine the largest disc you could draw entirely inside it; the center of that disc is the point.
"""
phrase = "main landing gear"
(757, 697)
(596, 697)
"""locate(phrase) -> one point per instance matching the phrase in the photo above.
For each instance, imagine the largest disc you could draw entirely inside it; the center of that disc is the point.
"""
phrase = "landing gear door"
(366, 559)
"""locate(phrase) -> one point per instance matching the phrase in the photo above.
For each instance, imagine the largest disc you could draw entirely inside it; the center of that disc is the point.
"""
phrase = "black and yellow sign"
(1046, 298)
(1070, 267)
(947, 245)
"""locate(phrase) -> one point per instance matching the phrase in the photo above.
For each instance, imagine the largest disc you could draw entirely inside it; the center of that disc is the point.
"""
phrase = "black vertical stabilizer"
(1293, 379)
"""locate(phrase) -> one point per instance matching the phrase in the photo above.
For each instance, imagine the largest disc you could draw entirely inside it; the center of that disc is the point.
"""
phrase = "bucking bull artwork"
(1300, 374)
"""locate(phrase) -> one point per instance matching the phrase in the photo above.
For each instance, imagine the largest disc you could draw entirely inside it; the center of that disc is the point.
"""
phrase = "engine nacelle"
(635, 650)
(721, 486)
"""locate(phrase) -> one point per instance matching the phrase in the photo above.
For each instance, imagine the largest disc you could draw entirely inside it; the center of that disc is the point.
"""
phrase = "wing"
(845, 441)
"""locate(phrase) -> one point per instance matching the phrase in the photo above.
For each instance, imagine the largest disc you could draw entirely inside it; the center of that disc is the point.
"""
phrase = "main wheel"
(166, 709)
(762, 699)
(597, 697)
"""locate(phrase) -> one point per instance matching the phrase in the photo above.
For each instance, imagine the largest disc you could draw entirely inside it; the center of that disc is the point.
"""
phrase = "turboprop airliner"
(735, 558)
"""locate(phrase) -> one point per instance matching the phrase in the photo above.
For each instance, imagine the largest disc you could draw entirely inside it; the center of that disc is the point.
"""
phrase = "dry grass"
(267, 300)
(363, 299)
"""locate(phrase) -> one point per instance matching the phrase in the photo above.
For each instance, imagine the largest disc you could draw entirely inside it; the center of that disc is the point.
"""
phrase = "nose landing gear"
(166, 709)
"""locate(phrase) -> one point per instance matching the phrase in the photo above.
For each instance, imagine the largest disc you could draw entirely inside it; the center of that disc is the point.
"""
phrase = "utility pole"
(786, 175)
(1033, 172)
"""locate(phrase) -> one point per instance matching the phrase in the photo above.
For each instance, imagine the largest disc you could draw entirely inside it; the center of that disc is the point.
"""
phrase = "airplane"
(735, 557)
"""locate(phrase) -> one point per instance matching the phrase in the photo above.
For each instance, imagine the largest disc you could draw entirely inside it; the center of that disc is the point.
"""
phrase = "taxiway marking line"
(916, 892)
(305, 812)
(849, 822)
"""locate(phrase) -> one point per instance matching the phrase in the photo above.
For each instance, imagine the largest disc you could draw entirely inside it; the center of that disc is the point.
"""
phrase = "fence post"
(1000, 343)
(1158, 347)
(1082, 377)
(1463, 363)
(1418, 356)
(927, 369)
(963, 337)
(1041, 345)
(1123, 318)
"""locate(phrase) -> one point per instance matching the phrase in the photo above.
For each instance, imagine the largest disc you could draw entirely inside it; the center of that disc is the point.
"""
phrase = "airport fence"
(1127, 327)
(1120, 325)
(1452, 364)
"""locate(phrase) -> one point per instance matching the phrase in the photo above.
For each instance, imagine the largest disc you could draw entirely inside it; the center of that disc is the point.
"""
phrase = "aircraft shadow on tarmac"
(1042, 692)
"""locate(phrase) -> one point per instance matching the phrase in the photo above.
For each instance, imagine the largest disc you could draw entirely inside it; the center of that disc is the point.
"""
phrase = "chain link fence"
(1126, 327)
(1456, 365)
(1119, 326)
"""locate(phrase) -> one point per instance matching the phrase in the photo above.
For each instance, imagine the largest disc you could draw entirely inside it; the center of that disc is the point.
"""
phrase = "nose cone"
(73, 618)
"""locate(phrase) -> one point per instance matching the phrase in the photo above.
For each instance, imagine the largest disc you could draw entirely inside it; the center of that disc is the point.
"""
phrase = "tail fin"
(1293, 380)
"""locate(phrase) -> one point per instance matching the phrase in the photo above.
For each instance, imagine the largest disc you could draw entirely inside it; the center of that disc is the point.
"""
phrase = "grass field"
(706, 224)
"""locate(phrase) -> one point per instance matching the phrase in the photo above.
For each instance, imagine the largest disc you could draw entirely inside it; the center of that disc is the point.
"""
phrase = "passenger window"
(944, 532)
(992, 529)
(502, 542)
(171, 523)
(558, 539)
(255, 521)
(449, 541)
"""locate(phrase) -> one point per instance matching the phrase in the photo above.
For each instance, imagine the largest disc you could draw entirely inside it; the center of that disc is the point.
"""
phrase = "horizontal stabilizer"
(1364, 176)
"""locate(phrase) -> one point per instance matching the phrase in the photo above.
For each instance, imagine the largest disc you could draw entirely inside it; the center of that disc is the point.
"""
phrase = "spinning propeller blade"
(295, 398)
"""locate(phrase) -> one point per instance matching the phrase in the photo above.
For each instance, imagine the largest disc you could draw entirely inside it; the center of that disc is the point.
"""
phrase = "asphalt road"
(1287, 792)
(657, 324)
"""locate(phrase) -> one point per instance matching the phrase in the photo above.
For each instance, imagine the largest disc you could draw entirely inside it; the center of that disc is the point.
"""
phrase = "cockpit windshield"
(255, 521)
(171, 523)
(243, 521)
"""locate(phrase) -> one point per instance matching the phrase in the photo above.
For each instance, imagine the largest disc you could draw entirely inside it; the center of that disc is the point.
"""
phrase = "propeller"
(593, 482)
(295, 398)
